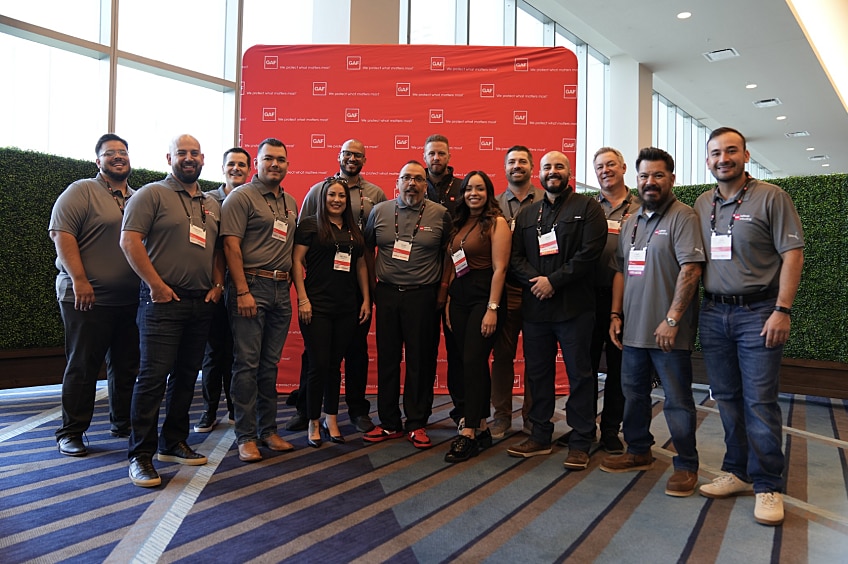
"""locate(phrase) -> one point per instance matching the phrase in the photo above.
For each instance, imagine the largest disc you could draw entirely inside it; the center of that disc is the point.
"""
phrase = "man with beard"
(258, 229)
(658, 263)
(363, 197)
(410, 235)
(170, 238)
(750, 280)
(98, 295)
(520, 193)
(218, 360)
(555, 245)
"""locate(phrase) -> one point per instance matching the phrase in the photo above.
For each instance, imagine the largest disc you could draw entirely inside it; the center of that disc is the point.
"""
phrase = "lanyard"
(349, 234)
(559, 206)
(735, 209)
(651, 234)
(627, 201)
(417, 224)
(467, 233)
(117, 201)
(361, 205)
(277, 211)
(191, 199)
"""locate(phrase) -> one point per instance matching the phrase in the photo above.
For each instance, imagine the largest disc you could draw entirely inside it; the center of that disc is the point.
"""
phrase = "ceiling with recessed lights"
(773, 53)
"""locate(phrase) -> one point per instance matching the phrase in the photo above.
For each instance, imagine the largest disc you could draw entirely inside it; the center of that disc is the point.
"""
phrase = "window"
(485, 23)
(432, 22)
(80, 18)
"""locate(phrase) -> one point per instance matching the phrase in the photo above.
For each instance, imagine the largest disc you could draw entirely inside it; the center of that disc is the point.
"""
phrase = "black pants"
(218, 362)
(326, 338)
(613, 396)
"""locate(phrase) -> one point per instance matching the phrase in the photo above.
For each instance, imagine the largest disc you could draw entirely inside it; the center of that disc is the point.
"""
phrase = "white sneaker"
(769, 508)
(726, 485)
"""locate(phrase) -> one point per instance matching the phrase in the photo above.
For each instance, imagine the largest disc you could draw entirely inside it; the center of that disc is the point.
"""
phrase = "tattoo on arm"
(687, 285)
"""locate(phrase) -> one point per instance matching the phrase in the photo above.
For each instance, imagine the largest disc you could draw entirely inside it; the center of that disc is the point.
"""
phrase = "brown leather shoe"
(528, 448)
(627, 462)
(682, 483)
(576, 460)
(248, 452)
(276, 442)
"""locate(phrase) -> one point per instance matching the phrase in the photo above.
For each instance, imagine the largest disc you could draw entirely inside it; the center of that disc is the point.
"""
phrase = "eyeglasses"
(111, 153)
(407, 177)
(352, 155)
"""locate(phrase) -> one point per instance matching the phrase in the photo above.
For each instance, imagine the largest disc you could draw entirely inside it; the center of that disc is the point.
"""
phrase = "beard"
(187, 178)
(555, 188)
(116, 176)
(653, 199)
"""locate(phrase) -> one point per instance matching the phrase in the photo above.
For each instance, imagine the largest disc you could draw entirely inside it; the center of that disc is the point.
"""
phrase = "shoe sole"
(768, 522)
(748, 492)
(422, 446)
(187, 461)
(75, 454)
(286, 449)
(517, 454)
(380, 438)
(568, 466)
(628, 469)
(204, 429)
(676, 493)
(146, 483)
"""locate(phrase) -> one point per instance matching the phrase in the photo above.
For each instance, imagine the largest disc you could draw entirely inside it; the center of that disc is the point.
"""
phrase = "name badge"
(402, 250)
(720, 246)
(548, 244)
(197, 236)
(613, 226)
(636, 262)
(341, 261)
(460, 263)
(281, 230)
(512, 224)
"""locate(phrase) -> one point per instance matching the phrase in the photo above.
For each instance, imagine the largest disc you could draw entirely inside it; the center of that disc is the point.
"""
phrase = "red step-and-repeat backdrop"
(392, 97)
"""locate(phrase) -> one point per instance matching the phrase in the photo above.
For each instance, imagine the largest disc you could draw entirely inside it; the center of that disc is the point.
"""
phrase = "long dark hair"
(325, 230)
(489, 213)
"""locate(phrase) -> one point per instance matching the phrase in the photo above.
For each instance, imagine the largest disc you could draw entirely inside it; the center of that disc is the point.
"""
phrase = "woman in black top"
(329, 247)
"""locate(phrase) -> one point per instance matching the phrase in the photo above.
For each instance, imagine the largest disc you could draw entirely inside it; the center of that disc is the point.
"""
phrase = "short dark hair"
(414, 162)
(106, 138)
(723, 130)
(521, 148)
(436, 138)
(654, 154)
(237, 150)
(273, 142)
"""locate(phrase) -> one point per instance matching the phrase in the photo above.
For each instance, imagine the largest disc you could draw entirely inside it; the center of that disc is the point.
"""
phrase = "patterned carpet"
(390, 502)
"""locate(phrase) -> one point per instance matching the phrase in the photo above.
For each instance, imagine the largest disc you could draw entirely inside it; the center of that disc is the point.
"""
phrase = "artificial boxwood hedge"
(29, 316)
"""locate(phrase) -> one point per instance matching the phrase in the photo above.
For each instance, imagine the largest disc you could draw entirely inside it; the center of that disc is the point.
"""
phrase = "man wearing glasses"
(363, 197)
(410, 234)
(98, 295)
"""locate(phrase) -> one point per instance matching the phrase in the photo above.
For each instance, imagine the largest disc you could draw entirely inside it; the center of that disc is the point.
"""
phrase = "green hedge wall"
(29, 316)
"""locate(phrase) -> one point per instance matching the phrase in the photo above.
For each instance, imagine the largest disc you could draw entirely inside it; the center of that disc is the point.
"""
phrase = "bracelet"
(240, 294)
(616, 314)
(217, 285)
(781, 309)
(303, 301)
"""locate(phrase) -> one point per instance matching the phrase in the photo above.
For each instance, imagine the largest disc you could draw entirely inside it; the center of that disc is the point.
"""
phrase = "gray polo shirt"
(363, 198)
(218, 193)
(672, 238)
(766, 225)
(428, 243)
(161, 212)
(511, 205)
(249, 213)
(615, 217)
(89, 210)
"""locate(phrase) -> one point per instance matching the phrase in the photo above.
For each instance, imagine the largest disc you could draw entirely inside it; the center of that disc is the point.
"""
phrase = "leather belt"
(744, 299)
(407, 288)
(276, 275)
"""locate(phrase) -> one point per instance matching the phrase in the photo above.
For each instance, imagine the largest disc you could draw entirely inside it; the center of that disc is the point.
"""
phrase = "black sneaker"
(611, 443)
(206, 424)
(182, 454)
(142, 472)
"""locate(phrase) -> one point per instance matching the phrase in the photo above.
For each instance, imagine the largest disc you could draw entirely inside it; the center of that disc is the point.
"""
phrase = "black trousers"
(613, 396)
(217, 370)
(326, 338)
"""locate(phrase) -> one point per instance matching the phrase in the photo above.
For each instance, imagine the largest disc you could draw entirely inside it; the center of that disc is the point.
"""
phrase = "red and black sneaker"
(378, 434)
(419, 438)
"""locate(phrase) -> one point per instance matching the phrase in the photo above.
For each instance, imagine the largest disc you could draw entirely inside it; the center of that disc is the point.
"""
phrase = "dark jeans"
(613, 412)
(326, 338)
(540, 346)
(104, 332)
(172, 339)
(218, 362)
(405, 331)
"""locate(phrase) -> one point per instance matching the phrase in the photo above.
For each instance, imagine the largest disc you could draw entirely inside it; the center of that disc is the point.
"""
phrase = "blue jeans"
(744, 378)
(172, 338)
(540, 345)
(675, 372)
(257, 347)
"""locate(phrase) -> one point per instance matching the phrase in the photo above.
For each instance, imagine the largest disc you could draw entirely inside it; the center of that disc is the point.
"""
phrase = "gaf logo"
(403, 88)
(522, 65)
(319, 88)
(487, 143)
(270, 62)
(354, 63)
(519, 117)
(437, 115)
(269, 114)
(487, 90)
(437, 63)
(317, 141)
(568, 145)
(401, 141)
(352, 115)
(569, 92)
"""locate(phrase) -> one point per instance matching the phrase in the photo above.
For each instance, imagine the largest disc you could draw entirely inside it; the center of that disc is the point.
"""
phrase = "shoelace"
(769, 500)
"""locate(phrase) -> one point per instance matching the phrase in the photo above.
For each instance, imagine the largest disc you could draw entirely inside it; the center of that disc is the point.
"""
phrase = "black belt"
(744, 299)
(407, 288)
(189, 294)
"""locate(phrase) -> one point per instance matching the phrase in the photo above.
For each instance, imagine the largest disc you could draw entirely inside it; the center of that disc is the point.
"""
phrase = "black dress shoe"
(142, 472)
(462, 448)
(338, 439)
(182, 454)
(298, 422)
(71, 445)
(484, 438)
(314, 444)
(363, 423)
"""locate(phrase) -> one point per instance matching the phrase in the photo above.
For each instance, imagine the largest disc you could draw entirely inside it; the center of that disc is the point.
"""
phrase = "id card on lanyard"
(636, 262)
(197, 235)
(720, 246)
(281, 229)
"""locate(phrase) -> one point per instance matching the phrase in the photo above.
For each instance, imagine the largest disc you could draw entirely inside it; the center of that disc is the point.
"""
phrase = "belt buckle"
(278, 274)
(401, 288)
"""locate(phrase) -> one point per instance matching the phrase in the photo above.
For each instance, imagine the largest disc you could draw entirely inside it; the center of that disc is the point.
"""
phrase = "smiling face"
(114, 161)
(336, 201)
(554, 172)
(352, 158)
(655, 182)
(726, 157)
(272, 163)
(610, 169)
(236, 168)
(185, 159)
(475, 194)
(518, 168)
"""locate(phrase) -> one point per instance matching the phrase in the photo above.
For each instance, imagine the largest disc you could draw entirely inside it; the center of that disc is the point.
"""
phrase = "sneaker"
(378, 434)
(528, 448)
(298, 422)
(681, 483)
(576, 460)
(206, 424)
(419, 438)
(363, 423)
(611, 443)
(627, 462)
(182, 454)
(142, 472)
(499, 427)
(769, 508)
(726, 485)
(462, 448)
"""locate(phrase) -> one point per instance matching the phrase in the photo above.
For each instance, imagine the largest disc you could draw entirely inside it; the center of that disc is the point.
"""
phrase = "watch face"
(671, 322)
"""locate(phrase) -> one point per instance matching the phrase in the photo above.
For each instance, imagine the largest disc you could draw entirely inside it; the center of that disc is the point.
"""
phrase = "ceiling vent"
(721, 55)
(767, 103)
(794, 134)
(819, 157)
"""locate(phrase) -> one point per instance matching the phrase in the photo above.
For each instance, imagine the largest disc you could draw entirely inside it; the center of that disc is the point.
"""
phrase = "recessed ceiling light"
(811, 148)
(819, 157)
(826, 164)
(684, 15)
(767, 103)
(721, 55)
(750, 86)
(780, 118)
(793, 134)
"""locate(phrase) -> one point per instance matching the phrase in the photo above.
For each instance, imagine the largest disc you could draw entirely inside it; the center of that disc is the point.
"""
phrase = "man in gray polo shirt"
(658, 264)
(170, 238)
(410, 235)
(98, 295)
(258, 229)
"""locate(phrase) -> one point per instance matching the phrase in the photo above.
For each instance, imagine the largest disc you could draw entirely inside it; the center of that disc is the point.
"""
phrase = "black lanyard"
(191, 199)
(277, 211)
(651, 234)
(560, 205)
(115, 197)
(462, 241)
(735, 209)
(417, 224)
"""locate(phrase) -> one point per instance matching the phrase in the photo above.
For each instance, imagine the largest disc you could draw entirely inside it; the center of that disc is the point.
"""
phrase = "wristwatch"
(493, 306)
(671, 321)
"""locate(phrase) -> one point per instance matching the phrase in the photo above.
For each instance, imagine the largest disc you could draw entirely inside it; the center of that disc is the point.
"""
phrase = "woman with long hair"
(475, 271)
(329, 247)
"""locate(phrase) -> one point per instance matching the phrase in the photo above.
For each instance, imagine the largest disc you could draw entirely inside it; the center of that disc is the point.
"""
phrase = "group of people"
(617, 272)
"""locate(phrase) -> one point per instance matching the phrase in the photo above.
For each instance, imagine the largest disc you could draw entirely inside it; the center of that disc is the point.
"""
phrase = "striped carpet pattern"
(392, 503)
